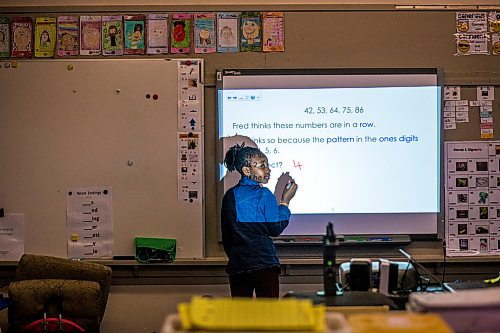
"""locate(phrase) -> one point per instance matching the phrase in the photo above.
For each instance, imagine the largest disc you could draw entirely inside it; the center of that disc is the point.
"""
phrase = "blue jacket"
(250, 216)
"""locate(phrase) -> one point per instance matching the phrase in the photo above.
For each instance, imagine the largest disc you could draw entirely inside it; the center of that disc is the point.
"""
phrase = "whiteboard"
(83, 123)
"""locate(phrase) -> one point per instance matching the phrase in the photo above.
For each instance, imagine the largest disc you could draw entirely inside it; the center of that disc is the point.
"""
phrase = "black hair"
(239, 156)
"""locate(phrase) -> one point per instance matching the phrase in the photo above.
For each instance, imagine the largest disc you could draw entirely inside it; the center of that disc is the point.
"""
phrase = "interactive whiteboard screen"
(363, 145)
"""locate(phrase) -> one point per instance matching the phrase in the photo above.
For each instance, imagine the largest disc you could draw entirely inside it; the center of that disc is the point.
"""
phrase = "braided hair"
(239, 156)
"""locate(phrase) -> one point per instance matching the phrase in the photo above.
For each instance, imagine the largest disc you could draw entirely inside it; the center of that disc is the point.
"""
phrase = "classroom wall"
(316, 36)
(376, 36)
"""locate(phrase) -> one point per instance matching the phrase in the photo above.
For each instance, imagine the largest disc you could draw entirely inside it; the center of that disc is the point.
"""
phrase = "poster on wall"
(89, 219)
(472, 199)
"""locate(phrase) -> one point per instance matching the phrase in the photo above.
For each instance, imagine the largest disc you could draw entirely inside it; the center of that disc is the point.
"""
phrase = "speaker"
(360, 275)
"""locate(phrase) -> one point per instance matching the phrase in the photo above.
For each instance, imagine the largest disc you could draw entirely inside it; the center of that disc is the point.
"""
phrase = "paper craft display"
(67, 36)
(189, 135)
(90, 35)
(112, 35)
(251, 32)
(190, 91)
(472, 198)
(273, 32)
(89, 216)
(45, 37)
(22, 37)
(227, 32)
(4, 37)
(134, 32)
(451, 93)
(472, 21)
(180, 39)
(11, 237)
(157, 24)
(204, 33)
(468, 43)
(189, 164)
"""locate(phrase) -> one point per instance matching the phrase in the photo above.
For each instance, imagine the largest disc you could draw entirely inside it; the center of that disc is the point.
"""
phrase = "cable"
(444, 262)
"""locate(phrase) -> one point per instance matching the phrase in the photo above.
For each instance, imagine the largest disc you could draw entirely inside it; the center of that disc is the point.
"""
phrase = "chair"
(81, 289)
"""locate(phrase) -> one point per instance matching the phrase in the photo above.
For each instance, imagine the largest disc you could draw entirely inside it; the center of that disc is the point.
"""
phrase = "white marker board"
(81, 123)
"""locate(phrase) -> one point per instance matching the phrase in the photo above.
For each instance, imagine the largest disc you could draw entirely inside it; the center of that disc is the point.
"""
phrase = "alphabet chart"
(89, 215)
(472, 199)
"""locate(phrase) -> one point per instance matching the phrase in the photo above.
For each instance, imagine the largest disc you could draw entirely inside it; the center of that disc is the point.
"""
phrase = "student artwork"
(273, 32)
(22, 40)
(472, 198)
(204, 33)
(227, 32)
(180, 31)
(67, 36)
(251, 34)
(112, 35)
(157, 24)
(90, 35)
(45, 37)
(4, 37)
(134, 27)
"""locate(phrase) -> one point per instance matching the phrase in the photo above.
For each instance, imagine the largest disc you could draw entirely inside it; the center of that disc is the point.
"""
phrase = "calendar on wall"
(472, 198)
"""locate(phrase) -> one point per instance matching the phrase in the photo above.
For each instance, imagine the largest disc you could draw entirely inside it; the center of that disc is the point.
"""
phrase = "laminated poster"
(472, 198)
(470, 43)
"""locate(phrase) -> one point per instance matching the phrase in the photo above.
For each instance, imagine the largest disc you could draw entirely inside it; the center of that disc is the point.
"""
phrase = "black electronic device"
(329, 251)
(406, 275)
(360, 276)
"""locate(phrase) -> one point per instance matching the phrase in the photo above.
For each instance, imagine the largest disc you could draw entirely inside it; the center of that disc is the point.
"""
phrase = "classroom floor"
(143, 308)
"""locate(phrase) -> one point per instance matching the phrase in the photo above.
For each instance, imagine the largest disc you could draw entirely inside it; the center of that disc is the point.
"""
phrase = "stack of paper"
(474, 310)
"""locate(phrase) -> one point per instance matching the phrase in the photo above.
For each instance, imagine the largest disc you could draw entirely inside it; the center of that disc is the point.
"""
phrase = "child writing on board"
(250, 216)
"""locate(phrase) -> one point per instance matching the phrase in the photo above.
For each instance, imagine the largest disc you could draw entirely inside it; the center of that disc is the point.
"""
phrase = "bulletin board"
(83, 123)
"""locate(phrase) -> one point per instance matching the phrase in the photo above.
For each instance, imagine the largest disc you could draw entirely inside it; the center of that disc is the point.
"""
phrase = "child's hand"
(289, 192)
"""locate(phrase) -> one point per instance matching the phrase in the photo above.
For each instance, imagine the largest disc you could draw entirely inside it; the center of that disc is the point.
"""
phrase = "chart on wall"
(472, 198)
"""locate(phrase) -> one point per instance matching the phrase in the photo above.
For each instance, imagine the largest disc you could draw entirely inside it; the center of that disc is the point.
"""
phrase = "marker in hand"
(288, 192)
